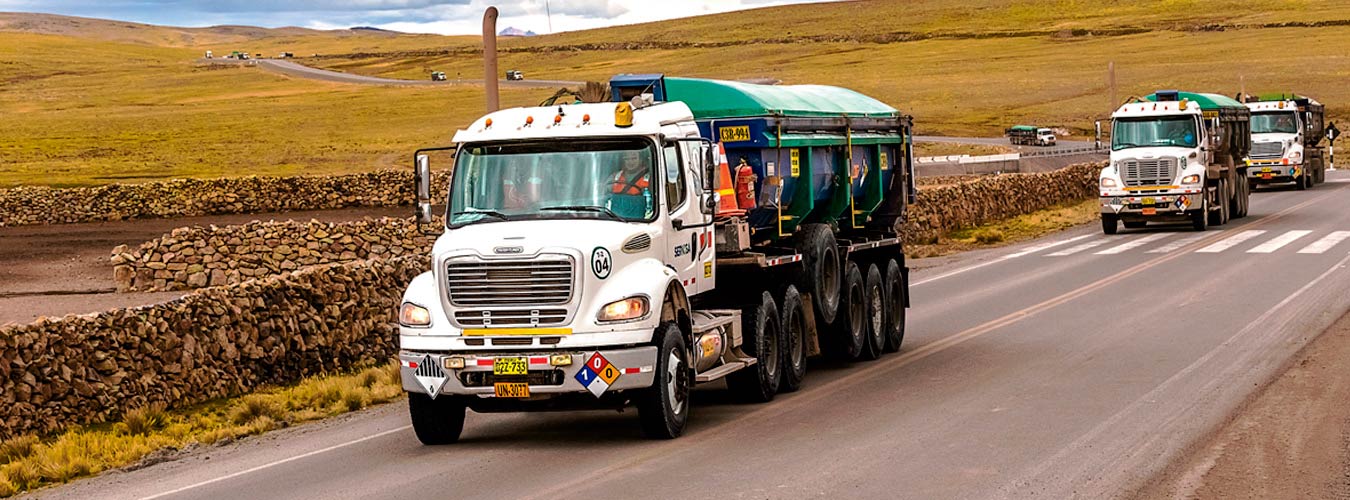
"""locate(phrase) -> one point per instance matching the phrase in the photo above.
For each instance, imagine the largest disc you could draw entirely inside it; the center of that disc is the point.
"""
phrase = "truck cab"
(1286, 130)
(1175, 158)
(1045, 137)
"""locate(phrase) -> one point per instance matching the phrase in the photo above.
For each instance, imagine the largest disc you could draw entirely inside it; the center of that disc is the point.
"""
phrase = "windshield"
(1176, 131)
(606, 179)
(1268, 123)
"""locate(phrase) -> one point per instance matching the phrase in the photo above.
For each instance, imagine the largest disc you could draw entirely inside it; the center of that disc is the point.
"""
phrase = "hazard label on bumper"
(598, 374)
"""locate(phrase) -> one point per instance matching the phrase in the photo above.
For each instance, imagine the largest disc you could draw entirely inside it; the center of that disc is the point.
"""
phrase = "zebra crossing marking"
(1328, 241)
(1175, 245)
(1132, 244)
(1232, 241)
(1279, 241)
(1078, 248)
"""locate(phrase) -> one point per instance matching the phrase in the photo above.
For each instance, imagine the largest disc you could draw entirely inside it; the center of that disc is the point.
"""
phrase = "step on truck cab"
(613, 255)
(1287, 131)
(1176, 157)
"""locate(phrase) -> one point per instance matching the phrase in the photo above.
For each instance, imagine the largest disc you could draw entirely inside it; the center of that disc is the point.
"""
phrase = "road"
(1003, 141)
(1074, 366)
(292, 68)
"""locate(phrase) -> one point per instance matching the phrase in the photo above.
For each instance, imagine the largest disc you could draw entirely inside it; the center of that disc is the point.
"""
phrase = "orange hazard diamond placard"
(610, 373)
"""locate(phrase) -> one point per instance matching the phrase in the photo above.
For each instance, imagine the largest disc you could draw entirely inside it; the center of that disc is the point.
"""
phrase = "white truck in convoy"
(617, 254)
(1287, 132)
(1176, 157)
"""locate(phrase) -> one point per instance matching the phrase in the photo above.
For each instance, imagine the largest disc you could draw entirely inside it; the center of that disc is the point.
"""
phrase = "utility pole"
(490, 58)
(1111, 82)
(549, 14)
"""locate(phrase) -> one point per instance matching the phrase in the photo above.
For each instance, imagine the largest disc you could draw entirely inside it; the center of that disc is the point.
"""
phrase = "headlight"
(1108, 182)
(1296, 155)
(411, 314)
(1190, 179)
(623, 310)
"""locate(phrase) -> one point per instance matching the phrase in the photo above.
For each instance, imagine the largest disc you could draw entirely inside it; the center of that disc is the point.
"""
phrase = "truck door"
(689, 240)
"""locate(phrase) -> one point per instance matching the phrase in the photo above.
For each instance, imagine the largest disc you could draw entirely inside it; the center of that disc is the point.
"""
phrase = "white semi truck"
(1176, 157)
(1287, 131)
(617, 254)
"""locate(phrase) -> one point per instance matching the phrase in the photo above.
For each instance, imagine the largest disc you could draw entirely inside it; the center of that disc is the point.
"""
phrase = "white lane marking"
(1029, 250)
(278, 462)
(1326, 242)
(1232, 241)
(1078, 248)
(1279, 242)
(1133, 244)
(1173, 246)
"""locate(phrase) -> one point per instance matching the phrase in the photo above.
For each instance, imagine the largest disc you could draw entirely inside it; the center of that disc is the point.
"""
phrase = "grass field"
(101, 102)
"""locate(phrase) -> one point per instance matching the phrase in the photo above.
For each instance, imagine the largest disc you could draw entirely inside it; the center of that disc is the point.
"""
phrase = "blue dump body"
(819, 154)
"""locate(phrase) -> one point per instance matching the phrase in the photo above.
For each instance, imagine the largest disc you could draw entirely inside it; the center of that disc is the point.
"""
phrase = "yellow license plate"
(1148, 201)
(1150, 211)
(1265, 169)
(510, 366)
(511, 389)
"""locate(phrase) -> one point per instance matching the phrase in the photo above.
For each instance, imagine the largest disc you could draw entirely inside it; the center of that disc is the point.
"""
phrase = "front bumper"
(633, 368)
(1152, 206)
(1271, 173)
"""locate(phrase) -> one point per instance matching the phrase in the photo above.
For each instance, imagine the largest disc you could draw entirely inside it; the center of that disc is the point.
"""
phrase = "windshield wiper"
(492, 213)
(587, 208)
(1123, 145)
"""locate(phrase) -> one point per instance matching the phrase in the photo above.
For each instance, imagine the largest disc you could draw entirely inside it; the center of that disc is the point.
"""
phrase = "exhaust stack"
(490, 58)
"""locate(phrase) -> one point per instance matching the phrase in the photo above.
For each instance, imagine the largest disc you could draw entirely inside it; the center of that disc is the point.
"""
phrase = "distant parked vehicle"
(515, 75)
(437, 76)
(285, 55)
(208, 55)
(1027, 135)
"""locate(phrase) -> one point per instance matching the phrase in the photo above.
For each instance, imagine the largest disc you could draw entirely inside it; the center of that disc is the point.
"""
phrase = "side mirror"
(422, 180)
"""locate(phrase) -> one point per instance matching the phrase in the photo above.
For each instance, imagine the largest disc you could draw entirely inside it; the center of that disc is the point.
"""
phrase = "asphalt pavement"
(1075, 366)
(292, 68)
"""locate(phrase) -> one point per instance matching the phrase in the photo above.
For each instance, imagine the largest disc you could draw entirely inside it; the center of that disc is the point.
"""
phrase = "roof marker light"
(557, 119)
(529, 120)
(488, 124)
(623, 115)
(586, 119)
(1182, 105)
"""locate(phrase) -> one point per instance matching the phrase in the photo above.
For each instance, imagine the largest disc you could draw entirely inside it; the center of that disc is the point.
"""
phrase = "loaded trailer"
(1176, 157)
(609, 255)
(1287, 132)
(1027, 135)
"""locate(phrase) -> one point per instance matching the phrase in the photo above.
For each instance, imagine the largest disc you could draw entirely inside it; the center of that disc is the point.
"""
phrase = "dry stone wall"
(195, 197)
(992, 198)
(216, 342)
(201, 256)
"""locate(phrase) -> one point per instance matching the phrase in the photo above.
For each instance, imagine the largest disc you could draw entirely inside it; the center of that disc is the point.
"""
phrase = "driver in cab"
(631, 194)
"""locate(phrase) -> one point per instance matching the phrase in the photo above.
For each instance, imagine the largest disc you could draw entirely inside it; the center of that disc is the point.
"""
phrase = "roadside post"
(1332, 134)
(1099, 135)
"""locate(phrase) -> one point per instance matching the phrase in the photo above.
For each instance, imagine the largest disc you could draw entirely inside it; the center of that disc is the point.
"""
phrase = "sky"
(447, 17)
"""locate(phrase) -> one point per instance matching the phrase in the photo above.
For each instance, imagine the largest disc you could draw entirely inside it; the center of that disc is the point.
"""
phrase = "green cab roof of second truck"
(1205, 101)
(722, 99)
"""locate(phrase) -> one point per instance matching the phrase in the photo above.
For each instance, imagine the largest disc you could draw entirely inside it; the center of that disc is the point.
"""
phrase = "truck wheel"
(664, 408)
(793, 320)
(874, 297)
(1243, 198)
(1200, 217)
(820, 278)
(848, 334)
(1216, 217)
(436, 421)
(1109, 223)
(895, 306)
(1303, 182)
(763, 340)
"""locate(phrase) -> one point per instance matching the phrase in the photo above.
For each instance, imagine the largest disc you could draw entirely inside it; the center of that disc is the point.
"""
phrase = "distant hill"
(163, 36)
(516, 32)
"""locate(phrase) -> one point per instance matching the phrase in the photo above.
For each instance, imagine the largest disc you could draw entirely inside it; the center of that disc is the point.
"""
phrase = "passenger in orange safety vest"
(631, 188)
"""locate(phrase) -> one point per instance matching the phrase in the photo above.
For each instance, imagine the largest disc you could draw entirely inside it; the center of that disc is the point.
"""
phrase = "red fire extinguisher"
(745, 186)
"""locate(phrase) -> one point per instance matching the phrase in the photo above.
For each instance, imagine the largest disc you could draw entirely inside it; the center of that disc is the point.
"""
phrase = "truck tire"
(874, 297)
(1200, 217)
(1302, 182)
(1242, 196)
(895, 305)
(436, 421)
(1216, 217)
(1319, 169)
(820, 276)
(848, 334)
(1110, 223)
(763, 340)
(664, 408)
(792, 318)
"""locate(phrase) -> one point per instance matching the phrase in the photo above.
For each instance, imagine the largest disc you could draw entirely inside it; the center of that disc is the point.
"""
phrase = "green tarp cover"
(1206, 101)
(721, 99)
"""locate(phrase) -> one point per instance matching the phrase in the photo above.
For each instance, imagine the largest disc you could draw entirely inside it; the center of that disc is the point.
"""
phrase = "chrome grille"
(1148, 172)
(509, 283)
(511, 317)
(1267, 150)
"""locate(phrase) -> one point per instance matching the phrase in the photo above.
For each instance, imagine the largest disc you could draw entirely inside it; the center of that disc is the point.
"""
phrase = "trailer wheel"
(895, 306)
(1319, 169)
(763, 340)
(1220, 216)
(1109, 223)
(664, 408)
(848, 334)
(874, 297)
(436, 421)
(1242, 196)
(793, 321)
(820, 276)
